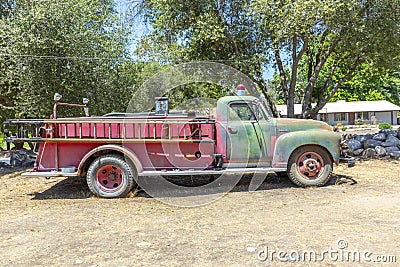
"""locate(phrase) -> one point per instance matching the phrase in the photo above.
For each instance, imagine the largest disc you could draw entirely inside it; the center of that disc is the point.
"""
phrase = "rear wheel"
(310, 166)
(110, 176)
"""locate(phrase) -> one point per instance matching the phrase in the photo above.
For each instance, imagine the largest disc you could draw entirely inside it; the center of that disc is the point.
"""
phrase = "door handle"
(232, 130)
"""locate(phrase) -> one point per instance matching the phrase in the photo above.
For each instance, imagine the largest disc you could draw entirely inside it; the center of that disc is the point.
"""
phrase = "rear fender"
(289, 142)
(126, 152)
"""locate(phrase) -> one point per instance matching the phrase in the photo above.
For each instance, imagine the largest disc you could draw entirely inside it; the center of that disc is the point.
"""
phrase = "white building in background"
(348, 113)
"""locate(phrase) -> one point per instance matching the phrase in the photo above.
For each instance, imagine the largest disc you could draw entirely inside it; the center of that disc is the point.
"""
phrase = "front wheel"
(110, 176)
(310, 166)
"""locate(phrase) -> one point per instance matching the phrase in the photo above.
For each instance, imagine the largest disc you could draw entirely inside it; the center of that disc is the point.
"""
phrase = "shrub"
(384, 125)
(358, 122)
(338, 124)
(344, 128)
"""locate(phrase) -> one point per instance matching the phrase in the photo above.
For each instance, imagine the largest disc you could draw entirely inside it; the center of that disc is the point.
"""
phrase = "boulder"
(28, 163)
(391, 141)
(380, 151)
(391, 149)
(395, 154)
(369, 153)
(388, 132)
(363, 137)
(371, 143)
(379, 137)
(4, 165)
(25, 158)
(16, 159)
(358, 152)
(354, 144)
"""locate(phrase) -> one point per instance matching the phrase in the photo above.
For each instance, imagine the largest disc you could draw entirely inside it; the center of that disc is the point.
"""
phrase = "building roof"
(343, 106)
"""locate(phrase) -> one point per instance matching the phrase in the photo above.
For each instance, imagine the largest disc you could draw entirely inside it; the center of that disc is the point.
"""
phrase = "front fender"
(287, 143)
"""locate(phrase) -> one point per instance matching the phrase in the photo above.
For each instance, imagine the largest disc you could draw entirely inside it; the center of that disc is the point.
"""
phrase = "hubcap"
(310, 165)
(109, 178)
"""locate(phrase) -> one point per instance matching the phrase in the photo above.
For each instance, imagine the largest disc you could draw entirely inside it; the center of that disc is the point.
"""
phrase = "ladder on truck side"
(109, 129)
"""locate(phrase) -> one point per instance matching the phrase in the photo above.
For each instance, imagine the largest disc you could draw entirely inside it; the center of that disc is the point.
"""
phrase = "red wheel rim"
(310, 165)
(109, 178)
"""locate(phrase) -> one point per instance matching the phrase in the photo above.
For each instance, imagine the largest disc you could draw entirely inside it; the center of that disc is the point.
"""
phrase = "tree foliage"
(72, 47)
(323, 50)
(325, 40)
(370, 84)
(211, 30)
(330, 39)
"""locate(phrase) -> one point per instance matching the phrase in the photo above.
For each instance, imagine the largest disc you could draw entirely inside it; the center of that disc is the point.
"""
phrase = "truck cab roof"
(228, 99)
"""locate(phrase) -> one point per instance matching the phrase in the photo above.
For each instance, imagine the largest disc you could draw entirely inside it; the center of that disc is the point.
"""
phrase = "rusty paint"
(288, 142)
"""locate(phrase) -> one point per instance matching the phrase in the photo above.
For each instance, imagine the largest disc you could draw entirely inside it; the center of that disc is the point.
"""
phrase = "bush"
(358, 122)
(344, 128)
(338, 124)
(384, 125)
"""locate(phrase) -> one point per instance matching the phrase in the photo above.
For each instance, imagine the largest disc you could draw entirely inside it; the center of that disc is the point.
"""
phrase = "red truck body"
(158, 143)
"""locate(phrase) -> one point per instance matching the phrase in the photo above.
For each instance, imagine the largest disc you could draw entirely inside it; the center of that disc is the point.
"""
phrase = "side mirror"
(57, 97)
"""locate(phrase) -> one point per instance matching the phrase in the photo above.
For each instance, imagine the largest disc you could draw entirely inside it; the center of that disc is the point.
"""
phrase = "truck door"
(248, 133)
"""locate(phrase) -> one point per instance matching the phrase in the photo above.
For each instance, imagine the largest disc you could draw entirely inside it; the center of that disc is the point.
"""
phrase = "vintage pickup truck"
(240, 136)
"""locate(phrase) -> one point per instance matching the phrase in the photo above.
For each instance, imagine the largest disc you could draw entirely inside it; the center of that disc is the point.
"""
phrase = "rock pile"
(386, 143)
(17, 158)
(24, 158)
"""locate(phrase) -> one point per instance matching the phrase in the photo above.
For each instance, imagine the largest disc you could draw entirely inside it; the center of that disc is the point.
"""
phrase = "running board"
(214, 172)
(168, 173)
(49, 174)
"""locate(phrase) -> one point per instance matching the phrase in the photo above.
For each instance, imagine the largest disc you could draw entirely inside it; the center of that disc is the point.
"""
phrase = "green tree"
(331, 38)
(369, 84)
(72, 47)
(222, 31)
(327, 40)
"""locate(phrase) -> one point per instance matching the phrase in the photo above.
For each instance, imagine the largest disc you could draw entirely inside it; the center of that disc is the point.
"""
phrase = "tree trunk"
(306, 107)
(295, 64)
(282, 74)
(268, 101)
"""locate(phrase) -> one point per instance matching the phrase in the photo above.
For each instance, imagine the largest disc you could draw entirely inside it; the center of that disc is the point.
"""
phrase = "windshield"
(261, 109)
(265, 107)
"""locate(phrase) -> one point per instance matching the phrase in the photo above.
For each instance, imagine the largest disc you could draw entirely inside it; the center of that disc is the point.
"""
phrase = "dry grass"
(56, 222)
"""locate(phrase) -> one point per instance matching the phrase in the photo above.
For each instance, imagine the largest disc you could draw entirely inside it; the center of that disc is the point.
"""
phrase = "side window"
(241, 112)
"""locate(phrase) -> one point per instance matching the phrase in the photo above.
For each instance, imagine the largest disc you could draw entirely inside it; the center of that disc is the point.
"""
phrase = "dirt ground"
(57, 222)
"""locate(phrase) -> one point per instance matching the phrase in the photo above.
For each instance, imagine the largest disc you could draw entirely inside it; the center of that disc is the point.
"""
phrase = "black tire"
(110, 176)
(310, 166)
